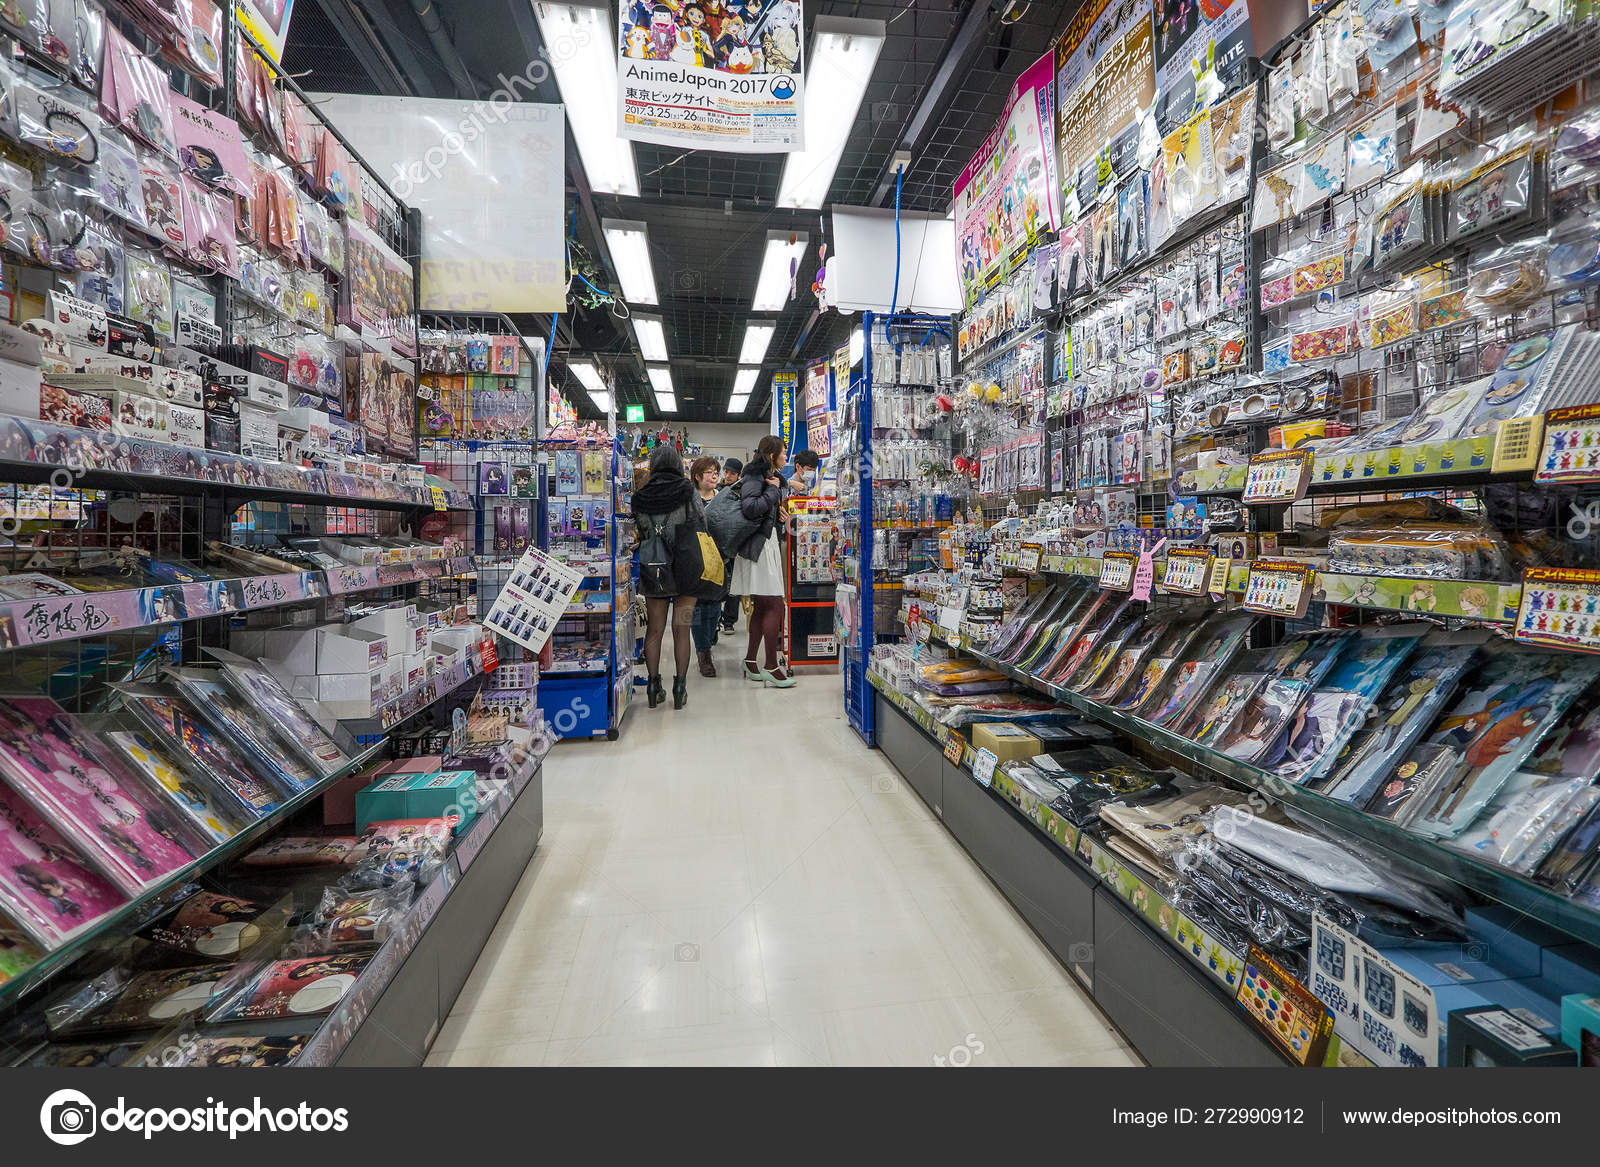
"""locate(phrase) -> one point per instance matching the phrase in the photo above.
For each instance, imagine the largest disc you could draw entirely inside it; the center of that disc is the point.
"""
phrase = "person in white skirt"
(759, 566)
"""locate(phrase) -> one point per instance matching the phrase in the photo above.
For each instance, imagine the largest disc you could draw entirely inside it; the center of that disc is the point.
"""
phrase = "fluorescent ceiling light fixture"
(629, 243)
(661, 384)
(593, 384)
(744, 382)
(757, 337)
(737, 404)
(583, 52)
(772, 289)
(651, 336)
(843, 53)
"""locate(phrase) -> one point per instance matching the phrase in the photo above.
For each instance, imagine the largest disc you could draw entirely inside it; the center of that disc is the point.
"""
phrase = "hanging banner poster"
(1008, 195)
(268, 22)
(727, 81)
(819, 435)
(1105, 78)
(1190, 39)
(783, 383)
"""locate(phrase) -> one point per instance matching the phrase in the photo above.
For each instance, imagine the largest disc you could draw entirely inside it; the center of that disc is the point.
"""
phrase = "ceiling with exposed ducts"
(936, 90)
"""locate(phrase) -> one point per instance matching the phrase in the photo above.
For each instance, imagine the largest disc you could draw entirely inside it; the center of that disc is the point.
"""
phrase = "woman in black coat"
(666, 499)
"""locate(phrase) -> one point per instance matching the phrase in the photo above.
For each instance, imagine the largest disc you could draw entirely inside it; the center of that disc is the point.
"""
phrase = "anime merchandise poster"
(819, 433)
(1320, 728)
(192, 800)
(45, 886)
(567, 473)
(1527, 693)
(1190, 38)
(533, 600)
(594, 472)
(1401, 714)
(713, 74)
(1105, 79)
(49, 759)
(1008, 194)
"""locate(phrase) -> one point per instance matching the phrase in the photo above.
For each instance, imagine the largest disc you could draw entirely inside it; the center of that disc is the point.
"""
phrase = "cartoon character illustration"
(733, 36)
(1422, 597)
(739, 60)
(663, 33)
(41, 879)
(782, 48)
(683, 48)
(638, 46)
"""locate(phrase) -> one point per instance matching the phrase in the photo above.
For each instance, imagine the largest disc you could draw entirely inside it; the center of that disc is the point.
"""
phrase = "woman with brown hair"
(758, 569)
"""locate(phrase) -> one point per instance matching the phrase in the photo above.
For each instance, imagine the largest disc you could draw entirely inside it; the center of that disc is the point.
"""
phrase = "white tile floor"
(743, 883)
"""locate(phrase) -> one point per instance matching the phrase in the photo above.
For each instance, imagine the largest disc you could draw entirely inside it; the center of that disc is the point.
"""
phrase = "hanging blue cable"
(894, 298)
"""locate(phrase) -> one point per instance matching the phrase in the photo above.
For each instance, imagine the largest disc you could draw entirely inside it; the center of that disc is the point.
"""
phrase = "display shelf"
(1456, 465)
(96, 460)
(1418, 856)
(333, 1038)
(1136, 892)
(62, 618)
(131, 915)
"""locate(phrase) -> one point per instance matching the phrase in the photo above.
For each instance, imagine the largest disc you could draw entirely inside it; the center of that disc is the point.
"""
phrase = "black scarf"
(666, 491)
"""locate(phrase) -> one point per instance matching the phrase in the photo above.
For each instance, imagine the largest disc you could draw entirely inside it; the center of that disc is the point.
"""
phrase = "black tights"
(766, 623)
(682, 632)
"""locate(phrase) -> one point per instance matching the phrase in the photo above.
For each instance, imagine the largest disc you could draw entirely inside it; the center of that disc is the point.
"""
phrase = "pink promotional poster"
(1009, 195)
(50, 760)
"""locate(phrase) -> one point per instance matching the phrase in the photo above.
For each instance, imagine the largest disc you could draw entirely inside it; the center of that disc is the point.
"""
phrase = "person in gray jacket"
(666, 499)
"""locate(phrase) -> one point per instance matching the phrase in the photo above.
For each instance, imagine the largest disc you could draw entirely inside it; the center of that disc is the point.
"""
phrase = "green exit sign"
(635, 413)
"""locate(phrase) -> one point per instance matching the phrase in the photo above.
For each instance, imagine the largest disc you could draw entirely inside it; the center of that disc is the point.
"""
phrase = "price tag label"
(1144, 576)
(1028, 559)
(1221, 569)
(439, 503)
(1278, 587)
(1277, 476)
(1571, 450)
(983, 764)
(1188, 571)
(1559, 608)
(1116, 571)
(954, 747)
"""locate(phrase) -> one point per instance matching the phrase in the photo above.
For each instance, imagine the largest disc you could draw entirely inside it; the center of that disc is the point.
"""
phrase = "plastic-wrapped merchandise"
(958, 678)
(1315, 735)
(183, 1047)
(214, 926)
(1208, 657)
(123, 1000)
(1569, 864)
(256, 737)
(1498, 715)
(346, 919)
(1419, 551)
(295, 987)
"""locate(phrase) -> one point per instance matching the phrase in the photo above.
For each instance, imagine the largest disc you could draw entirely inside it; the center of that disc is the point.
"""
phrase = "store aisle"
(744, 883)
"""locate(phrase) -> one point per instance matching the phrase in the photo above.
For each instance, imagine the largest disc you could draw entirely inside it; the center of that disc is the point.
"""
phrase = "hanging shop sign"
(1277, 476)
(728, 81)
(819, 436)
(1279, 587)
(783, 385)
(1571, 451)
(1008, 195)
(1559, 608)
(1116, 570)
(1188, 571)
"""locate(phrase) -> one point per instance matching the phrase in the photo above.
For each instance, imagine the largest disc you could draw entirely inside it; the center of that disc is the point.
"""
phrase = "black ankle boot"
(655, 692)
(680, 692)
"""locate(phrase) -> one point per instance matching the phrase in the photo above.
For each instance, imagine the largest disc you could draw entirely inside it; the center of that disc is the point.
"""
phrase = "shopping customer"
(758, 569)
(806, 472)
(732, 471)
(665, 500)
(704, 474)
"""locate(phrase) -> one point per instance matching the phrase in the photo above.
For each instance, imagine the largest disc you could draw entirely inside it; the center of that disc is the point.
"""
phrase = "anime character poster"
(45, 885)
(1009, 195)
(50, 759)
(713, 74)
